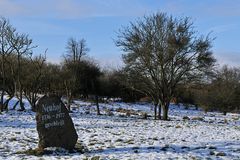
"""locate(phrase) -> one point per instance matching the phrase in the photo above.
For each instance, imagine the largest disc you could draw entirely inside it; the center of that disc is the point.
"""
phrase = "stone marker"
(54, 125)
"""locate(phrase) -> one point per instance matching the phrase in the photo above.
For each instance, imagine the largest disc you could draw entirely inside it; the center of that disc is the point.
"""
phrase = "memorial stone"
(54, 124)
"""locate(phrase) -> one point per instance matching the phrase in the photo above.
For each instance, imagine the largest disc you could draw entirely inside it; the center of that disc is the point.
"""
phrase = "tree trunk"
(69, 100)
(2, 99)
(97, 104)
(34, 107)
(33, 102)
(29, 97)
(3, 82)
(22, 108)
(69, 95)
(19, 84)
(165, 111)
(224, 113)
(155, 111)
(159, 111)
(196, 107)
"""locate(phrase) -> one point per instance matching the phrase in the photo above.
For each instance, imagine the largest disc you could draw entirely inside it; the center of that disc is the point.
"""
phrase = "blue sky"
(50, 23)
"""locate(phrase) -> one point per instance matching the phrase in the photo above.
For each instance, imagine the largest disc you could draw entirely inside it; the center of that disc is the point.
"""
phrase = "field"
(122, 132)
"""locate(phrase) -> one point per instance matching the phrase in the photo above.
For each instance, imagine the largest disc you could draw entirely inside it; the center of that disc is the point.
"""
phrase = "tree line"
(26, 75)
(164, 59)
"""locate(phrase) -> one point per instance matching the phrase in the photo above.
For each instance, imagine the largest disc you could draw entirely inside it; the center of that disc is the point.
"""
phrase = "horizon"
(51, 23)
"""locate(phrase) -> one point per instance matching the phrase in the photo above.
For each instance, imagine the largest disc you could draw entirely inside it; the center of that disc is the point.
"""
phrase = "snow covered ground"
(122, 133)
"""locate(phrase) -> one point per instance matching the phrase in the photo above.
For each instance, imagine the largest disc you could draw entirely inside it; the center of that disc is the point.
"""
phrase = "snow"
(13, 101)
(203, 136)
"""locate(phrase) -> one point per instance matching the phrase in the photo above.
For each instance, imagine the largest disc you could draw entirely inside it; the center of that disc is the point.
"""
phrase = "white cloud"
(222, 28)
(229, 58)
(93, 8)
(8, 8)
(224, 8)
(71, 8)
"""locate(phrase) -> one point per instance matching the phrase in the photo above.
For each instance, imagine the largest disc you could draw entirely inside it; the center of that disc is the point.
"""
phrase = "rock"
(96, 158)
(178, 126)
(186, 118)
(54, 125)
(211, 153)
(197, 119)
(212, 147)
(221, 154)
(144, 115)
(109, 112)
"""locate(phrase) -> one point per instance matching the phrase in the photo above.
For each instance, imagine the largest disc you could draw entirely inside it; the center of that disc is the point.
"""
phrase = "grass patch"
(119, 140)
(130, 141)
(34, 152)
(197, 119)
(144, 115)
(235, 118)
(95, 158)
(212, 147)
(155, 138)
(225, 121)
(93, 135)
(12, 139)
(186, 118)
(221, 154)
(80, 148)
(211, 153)
(178, 126)
(40, 152)
(92, 143)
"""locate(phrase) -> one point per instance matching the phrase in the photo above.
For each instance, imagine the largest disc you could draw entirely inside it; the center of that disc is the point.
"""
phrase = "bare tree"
(76, 50)
(22, 46)
(72, 61)
(34, 79)
(6, 49)
(223, 92)
(136, 81)
(165, 51)
(52, 79)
